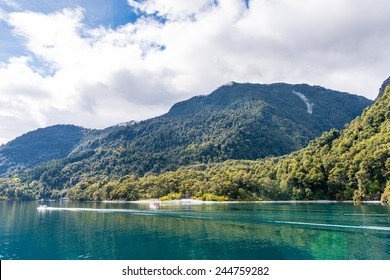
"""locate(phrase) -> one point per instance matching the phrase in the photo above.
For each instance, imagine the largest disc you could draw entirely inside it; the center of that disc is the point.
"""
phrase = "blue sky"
(107, 13)
(96, 63)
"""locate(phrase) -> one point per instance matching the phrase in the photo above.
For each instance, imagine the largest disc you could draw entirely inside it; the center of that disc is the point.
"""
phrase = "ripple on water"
(239, 231)
(87, 256)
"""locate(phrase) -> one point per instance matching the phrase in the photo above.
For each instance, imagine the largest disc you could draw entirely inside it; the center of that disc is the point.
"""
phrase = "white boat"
(155, 205)
(42, 207)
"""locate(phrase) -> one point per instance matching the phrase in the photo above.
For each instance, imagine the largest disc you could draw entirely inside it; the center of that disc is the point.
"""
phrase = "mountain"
(237, 121)
(353, 163)
(39, 146)
(382, 89)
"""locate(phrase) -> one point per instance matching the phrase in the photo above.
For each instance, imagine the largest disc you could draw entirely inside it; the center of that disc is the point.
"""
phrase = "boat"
(155, 205)
(42, 207)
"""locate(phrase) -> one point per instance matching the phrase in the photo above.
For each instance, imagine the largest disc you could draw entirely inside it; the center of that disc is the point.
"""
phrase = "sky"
(96, 63)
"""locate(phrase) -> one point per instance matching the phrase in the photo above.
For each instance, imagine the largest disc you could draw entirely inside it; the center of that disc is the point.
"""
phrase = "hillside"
(39, 146)
(353, 163)
(237, 121)
(240, 121)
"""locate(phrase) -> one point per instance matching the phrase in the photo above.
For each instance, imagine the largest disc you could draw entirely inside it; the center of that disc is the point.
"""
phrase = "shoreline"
(196, 201)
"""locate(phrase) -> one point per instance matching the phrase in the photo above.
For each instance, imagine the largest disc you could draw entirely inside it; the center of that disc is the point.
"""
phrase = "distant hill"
(237, 121)
(39, 146)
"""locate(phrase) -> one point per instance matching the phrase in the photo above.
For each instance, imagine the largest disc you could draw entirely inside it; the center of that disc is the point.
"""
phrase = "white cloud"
(99, 77)
(51, 37)
(23, 95)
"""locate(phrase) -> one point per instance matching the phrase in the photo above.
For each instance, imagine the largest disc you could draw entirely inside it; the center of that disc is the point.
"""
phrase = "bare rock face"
(383, 87)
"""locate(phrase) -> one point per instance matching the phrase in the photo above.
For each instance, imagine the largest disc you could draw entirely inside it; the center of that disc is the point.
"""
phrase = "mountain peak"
(239, 121)
(229, 84)
(383, 87)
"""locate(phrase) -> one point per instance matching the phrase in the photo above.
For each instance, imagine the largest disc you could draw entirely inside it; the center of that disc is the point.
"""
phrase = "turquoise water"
(114, 231)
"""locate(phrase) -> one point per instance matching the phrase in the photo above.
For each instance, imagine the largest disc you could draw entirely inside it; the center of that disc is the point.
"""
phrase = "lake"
(118, 231)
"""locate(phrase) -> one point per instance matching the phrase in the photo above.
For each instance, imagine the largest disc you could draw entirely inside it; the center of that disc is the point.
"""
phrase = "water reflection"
(211, 231)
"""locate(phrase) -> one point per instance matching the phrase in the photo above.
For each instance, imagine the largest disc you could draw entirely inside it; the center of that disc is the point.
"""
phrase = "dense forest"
(210, 147)
(40, 146)
(237, 121)
(353, 163)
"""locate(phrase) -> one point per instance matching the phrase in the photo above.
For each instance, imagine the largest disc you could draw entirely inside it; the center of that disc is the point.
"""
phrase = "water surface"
(114, 231)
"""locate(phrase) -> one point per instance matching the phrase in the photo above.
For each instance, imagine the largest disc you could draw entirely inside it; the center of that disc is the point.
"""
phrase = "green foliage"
(12, 188)
(212, 197)
(209, 147)
(386, 194)
(344, 165)
(42, 145)
(172, 196)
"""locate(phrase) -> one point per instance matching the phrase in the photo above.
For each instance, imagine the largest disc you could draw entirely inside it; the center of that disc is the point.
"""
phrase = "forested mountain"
(382, 89)
(39, 146)
(237, 121)
(353, 163)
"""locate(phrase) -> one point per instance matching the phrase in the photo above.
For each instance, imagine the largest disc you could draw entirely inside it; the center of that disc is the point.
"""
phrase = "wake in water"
(99, 210)
(330, 225)
(235, 218)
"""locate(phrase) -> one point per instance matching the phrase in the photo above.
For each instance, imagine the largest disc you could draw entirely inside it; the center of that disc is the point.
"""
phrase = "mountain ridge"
(44, 144)
(351, 164)
(236, 121)
(383, 87)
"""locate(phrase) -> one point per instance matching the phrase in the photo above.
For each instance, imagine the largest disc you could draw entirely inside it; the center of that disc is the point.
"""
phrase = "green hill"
(237, 121)
(353, 163)
(39, 146)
